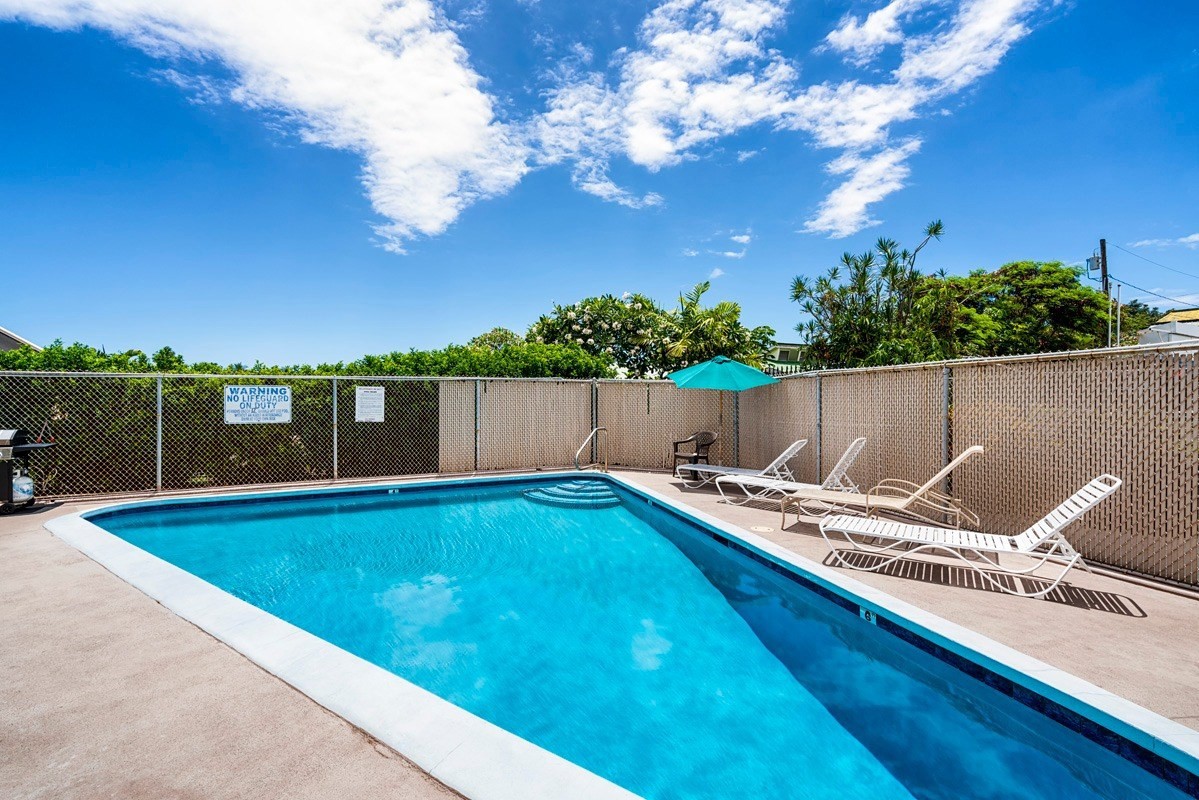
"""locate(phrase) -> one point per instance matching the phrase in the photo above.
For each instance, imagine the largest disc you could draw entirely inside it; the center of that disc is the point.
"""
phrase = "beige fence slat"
(772, 417)
(644, 417)
(456, 426)
(1051, 426)
(898, 411)
(532, 424)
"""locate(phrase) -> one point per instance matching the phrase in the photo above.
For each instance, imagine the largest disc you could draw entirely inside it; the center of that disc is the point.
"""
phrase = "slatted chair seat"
(695, 475)
(768, 487)
(1042, 542)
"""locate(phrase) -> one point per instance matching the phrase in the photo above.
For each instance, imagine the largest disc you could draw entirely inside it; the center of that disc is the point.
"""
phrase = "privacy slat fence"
(644, 417)
(1048, 424)
(773, 417)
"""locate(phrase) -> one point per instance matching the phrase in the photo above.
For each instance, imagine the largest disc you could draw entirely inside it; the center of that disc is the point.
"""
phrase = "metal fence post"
(478, 400)
(594, 420)
(158, 435)
(335, 429)
(736, 429)
(819, 427)
(945, 429)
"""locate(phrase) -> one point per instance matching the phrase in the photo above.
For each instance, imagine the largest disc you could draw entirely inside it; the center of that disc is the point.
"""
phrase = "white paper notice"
(368, 404)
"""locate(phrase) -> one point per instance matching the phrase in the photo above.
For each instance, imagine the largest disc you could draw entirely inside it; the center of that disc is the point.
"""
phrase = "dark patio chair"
(700, 444)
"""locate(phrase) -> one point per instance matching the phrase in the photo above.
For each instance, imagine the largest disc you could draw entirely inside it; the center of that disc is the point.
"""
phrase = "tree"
(520, 360)
(875, 308)
(496, 338)
(1034, 307)
(517, 360)
(698, 333)
(629, 331)
(644, 340)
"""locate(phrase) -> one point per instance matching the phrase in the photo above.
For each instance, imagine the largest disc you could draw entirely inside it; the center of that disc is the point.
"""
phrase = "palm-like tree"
(702, 333)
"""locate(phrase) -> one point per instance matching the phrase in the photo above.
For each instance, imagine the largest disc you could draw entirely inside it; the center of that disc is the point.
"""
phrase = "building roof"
(11, 341)
(1182, 315)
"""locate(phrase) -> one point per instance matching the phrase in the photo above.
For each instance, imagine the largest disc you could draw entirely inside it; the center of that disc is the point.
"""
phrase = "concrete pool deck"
(107, 693)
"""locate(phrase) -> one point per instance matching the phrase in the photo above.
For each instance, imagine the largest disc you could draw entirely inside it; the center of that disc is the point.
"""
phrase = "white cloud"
(746, 155)
(727, 253)
(680, 89)
(862, 40)
(1191, 242)
(703, 69)
(857, 117)
(389, 82)
(201, 89)
(715, 273)
(582, 52)
(689, 252)
(871, 178)
(742, 238)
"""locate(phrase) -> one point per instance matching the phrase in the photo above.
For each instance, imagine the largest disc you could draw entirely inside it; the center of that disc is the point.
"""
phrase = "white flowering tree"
(630, 331)
(646, 341)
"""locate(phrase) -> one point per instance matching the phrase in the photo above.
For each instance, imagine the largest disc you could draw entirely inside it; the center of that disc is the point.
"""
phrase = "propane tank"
(22, 488)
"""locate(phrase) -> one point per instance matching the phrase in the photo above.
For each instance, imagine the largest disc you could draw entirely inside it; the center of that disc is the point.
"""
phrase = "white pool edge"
(465, 752)
(485, 762)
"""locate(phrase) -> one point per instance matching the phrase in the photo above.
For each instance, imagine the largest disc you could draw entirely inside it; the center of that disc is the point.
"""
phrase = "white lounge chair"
(761, 487)
(702, 474)
(1043, 542)
(892, 495)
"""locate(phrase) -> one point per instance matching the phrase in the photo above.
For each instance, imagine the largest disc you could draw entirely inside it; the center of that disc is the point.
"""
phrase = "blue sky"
(311, 181)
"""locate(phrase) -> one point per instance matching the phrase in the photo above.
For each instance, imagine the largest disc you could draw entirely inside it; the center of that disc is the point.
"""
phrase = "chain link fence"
(106, 430)
(1048, 424)
(143, 433)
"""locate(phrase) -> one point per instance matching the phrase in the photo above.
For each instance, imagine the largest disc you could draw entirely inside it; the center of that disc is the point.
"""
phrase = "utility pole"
(1107, 286)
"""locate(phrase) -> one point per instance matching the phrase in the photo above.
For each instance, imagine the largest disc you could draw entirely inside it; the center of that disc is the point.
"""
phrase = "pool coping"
(486, 762)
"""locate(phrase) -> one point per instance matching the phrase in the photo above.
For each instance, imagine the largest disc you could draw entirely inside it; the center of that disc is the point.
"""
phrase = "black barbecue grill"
(15, 448)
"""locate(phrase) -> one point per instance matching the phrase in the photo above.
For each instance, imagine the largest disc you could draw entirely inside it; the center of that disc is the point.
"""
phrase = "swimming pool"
(656, 650)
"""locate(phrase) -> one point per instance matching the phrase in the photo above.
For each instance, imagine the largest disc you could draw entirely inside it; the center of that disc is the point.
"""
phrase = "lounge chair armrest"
(893, 487)
(930, 503)
(898, 483)
(949, 507)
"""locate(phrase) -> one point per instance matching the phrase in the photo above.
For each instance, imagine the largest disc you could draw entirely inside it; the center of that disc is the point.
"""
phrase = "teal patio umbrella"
(726, 375)
(721, 373)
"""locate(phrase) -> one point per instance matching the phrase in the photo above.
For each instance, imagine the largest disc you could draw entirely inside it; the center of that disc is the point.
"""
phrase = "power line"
(1156, 264)
(1146, 291)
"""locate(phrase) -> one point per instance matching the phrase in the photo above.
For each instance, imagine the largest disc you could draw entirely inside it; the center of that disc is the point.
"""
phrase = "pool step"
(575, 494)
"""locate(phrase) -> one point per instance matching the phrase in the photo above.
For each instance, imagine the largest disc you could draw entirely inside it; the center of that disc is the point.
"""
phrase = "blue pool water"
(627, 641)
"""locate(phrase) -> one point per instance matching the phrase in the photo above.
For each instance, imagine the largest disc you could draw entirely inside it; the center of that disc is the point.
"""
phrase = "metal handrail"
(603, 462)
